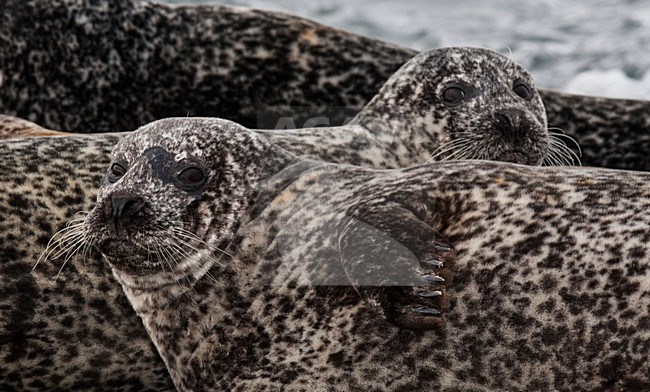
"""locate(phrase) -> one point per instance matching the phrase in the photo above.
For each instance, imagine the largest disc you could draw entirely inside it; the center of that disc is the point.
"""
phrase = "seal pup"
(74, 330)
(149, 61)
(254, 296)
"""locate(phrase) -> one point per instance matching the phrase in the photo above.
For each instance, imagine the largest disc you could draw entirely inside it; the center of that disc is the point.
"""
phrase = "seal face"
(463, 103)
(260, 312)
(174, 211)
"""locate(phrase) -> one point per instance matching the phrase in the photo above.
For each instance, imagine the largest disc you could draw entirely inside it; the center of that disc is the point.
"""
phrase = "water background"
(594, 47)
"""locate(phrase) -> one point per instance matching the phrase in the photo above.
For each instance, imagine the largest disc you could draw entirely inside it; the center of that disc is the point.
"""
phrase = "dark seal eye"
(453, 95)
(115, 172)
(192, 177)
(522, 89)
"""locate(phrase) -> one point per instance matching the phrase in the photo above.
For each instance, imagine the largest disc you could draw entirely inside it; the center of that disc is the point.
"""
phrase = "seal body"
(256, 298)
(87, 66)
(130, 62)
(68, 331)
(375, 144)
(611, 132)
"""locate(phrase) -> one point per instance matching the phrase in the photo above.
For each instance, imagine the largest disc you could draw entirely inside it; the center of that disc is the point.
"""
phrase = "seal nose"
(509, 123)
(124, 209)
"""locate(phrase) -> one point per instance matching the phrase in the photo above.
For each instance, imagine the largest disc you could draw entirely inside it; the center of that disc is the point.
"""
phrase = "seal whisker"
(551, 158)
(558, 136)
(159, 257)
(187, 233)
(568, 155)
(164, 259)
(71, 251)
(184, 253)
(164, 246)
(57, 237)
(460, 153)
(509, 59)
(449, 146)
(75, 222)
(192, 236)
(554, 158)
(62, 244)
(456, 155)
(59, 242)
(166, 255)
(85, 252)
(180, 243)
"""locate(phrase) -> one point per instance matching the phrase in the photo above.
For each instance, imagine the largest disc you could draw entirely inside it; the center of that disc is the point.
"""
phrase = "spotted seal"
(551, 270)
(439, 71)
(136, 61)
(128, 62)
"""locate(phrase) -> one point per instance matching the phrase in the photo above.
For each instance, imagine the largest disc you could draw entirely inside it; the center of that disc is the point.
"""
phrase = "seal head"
(161, 195)
(462, 103)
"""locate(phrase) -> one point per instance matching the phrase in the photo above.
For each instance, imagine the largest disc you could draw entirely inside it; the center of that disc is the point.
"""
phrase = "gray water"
(597, 47)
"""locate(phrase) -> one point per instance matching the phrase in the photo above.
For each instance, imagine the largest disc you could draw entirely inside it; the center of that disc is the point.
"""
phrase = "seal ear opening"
(399, 265)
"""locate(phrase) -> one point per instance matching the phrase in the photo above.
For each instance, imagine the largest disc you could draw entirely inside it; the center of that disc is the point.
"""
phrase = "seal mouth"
(517, 156)
(127, 253)
(118, 248)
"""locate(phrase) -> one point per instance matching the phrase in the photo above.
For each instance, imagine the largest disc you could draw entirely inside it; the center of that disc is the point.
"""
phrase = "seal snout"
(123, 210)
(512, 125)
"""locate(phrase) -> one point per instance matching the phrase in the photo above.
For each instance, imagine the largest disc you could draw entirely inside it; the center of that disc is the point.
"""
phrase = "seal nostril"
(124, 209)
(507, 120)
(509, 124)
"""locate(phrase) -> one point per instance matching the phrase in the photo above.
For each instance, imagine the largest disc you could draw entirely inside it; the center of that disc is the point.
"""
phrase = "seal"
(129, 62)
(395, 150)
(611, 132)
(255, 255)
(137, 61)
(69, 331)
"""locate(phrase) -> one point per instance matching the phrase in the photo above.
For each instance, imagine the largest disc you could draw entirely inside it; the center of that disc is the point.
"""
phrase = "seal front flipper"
(399, 264)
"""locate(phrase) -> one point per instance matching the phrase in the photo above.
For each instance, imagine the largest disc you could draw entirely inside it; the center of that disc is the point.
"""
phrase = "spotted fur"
(92, 66)
(132, 62)
(550, 287)
(611, 132)
(74, 330)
